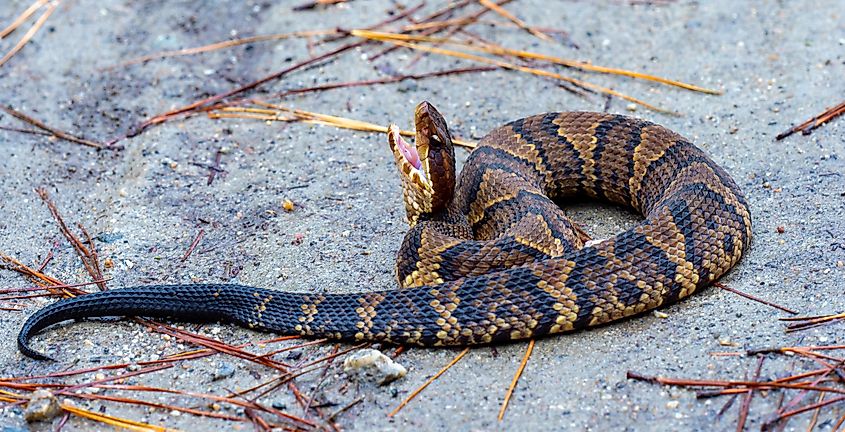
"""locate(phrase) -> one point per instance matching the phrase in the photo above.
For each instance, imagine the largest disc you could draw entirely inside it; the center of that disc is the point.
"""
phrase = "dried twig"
(194, 244)
(53, 131)
(812, 124)
(88, 254)
(804, 323)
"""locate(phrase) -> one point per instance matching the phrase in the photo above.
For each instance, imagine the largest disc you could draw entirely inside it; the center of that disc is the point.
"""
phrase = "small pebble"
(672, 404)
(631, 107)
(781, 229)
(42, 406)
(288, 205)
(659, 314)
(372, 365)
(224, 370)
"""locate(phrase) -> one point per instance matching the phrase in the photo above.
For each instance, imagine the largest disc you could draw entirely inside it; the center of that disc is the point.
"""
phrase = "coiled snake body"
(490, 256)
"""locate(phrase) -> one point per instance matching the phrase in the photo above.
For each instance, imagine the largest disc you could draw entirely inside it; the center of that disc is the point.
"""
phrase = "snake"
(490, 255)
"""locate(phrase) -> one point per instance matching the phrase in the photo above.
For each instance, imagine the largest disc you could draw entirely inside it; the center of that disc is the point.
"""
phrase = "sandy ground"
(778, 63)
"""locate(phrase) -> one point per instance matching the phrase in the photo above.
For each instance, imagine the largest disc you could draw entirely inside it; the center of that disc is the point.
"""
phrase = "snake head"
(427, 167)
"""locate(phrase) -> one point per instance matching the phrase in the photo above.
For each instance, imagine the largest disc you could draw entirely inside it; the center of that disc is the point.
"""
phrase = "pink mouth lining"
(408, 151)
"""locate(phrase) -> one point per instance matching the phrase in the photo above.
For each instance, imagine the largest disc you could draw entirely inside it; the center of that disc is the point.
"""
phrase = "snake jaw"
(408, 157)
(426, 167)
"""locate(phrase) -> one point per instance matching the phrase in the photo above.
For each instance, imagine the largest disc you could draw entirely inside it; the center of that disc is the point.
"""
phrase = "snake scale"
(490, 255)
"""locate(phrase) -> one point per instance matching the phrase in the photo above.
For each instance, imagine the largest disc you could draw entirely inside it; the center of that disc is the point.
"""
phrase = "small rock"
(288, 205)
(373, 366)
(109, 237)
(672, 404)
(279, 405)
(659, 314)
(42, 406)
(224, 370)
(631, 107)
(781, 229)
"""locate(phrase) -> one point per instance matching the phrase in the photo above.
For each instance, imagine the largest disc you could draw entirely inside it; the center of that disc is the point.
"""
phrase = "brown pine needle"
(227, 44)
(813, 123)
(521, 24)
(839, 423)
(30, 33)
(500, 50)
(429, 381)
(207, 102)
(758, 385)
(751, 297)
(803, 410)
(280, 113)
(115, 421)
(22, 18)
(746, 402)
(55, 132)
(534, 71)
(516, 379)
(815, 418)
(39, 278)
(87, 254)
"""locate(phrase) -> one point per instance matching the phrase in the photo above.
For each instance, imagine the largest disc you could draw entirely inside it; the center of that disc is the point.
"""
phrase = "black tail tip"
(23, 347)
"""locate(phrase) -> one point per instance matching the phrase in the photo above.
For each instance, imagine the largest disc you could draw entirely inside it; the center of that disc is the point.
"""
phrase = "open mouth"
(406, 149)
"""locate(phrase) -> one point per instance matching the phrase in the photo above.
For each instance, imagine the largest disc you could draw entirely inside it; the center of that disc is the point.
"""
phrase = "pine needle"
(115, 421)
(30, 33)
(22, 18)
(534, 71)
(500, 50)
(519, 23)
(428, 381)
(281, 113)
(516, 379)
(228, 44)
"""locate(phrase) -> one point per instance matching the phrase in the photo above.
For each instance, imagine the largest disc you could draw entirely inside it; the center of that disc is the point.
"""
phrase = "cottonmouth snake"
(490, 256)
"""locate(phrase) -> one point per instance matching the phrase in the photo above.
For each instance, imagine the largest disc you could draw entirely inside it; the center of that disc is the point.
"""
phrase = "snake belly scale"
(490, 256)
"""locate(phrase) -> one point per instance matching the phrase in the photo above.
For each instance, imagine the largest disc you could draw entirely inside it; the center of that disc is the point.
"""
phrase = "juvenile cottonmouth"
(490, 256)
